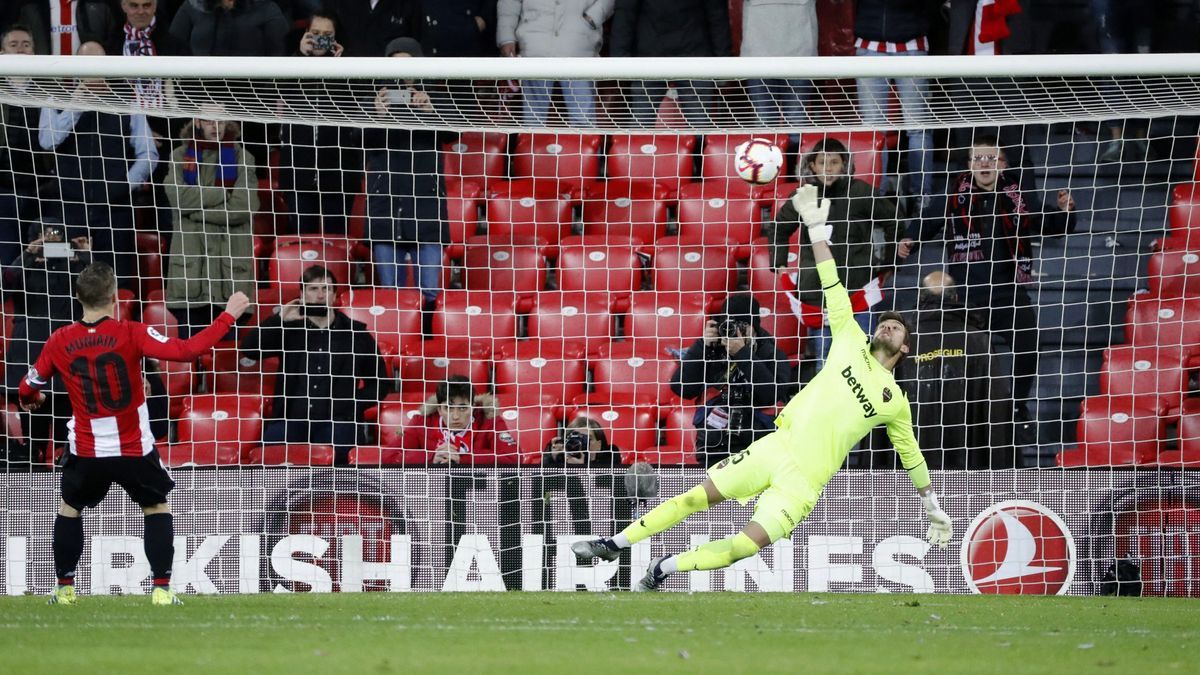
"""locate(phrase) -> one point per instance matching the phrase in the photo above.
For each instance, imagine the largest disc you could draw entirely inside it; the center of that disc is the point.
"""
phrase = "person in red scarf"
(458, 432)
(990, 227)
(212, 246)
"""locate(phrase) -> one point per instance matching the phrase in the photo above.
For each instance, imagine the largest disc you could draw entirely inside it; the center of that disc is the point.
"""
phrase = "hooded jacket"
(251, 28)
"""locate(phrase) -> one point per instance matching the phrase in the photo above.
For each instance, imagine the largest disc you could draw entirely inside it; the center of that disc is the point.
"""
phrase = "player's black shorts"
(86, 480)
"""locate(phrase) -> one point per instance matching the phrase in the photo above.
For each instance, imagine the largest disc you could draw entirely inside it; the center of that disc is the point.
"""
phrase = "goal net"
(504, 305)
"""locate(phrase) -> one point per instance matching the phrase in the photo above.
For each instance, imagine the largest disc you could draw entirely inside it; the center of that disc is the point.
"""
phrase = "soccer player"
(788, 468)
(110, 440)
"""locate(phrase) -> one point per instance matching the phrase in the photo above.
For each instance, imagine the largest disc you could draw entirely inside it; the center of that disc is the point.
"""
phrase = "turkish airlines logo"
(1018, 547)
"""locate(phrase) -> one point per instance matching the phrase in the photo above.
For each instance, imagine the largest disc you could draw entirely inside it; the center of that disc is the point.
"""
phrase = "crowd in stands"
(342, 356)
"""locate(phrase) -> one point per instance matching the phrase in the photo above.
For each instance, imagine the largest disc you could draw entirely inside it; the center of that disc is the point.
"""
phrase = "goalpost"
(573, 266)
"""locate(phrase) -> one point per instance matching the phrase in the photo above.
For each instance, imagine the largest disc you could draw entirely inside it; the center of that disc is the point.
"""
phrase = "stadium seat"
(1188, 454)
(157, 316)
(687, 266)
(787, 330)
(633, 373)
(394, 418)
(713, 214)
(291, 454)
(866, 152)
(632, 429)
(567, 160)
(1157, 376)
(517, 211)
(665, 159)
(533, 426)
(475, 157)
(462, 213)
(1152, 320)
(674, 319)
(572, 316)
(716, 166)
(1183, 217)
(420, 375)
(126, 307)
(635, 210)
(217, 427)
(178, 377)
(392, 315)
(678, 430)
(507, 264)
(1113, 431)
(536, 373)
(288, 263)
(1174, 273)
(765, 282)
(227, 373)
(472, 322)
(599, 264)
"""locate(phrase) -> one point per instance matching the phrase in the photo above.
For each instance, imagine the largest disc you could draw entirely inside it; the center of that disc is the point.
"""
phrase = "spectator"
(212, 247)
(231, 27)
(40, 284)
(989, 229)
(1125, 27)
(856, 215)
(406, 191)
(320, 165)
(779, 28)
(461, 429)
(671, 28)
(22, 162)
(368, 26)
(143, 34)
(738, 358)
(96, 176)
(896, 29)
(962, 418)
(459, 28)
(331, 370)
(554, 28)
(60, 28)
(583, 445)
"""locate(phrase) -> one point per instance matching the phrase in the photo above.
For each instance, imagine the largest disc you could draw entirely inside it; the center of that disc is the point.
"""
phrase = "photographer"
(583, 444)
(460, 428)
(739, 359)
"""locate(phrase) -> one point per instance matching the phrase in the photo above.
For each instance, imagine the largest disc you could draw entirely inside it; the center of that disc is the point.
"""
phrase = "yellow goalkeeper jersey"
(851, 395)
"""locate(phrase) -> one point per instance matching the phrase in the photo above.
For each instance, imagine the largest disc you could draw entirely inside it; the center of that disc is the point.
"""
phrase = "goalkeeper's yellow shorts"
(766, 470)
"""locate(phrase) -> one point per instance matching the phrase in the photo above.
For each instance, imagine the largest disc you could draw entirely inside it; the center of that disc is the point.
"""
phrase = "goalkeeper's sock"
(714, 555)
(665, 516)
(68, 546)
(160, 547)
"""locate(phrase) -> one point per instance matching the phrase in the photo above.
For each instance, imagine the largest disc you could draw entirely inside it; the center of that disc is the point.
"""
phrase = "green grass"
(577, 632)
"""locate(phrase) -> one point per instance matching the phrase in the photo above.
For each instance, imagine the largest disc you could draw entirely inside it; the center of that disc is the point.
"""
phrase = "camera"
(57, 249)
(399, 96)
(324, 42)
(576, 443)
(315, 311)
(732, 329)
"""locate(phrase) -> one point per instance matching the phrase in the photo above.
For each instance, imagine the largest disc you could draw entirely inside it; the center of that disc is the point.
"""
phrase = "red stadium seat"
(678, 431)
(717, 162)
(517, 211)
(632, 429)
(1157, 376)
(866, 152)
(635, 210)
(599, 264)
(392, 315)
(292, 454)
(127, 305)
(462, 212)
(178, 377)
(1152, 320)
(629, 373)
(686, 266)
(567, 160)
(765, 281)
(675, 319)
(1188, 455)
(1174, 273)
(215, 425)
(394, 418)
(787, 330)
(537, 373)
(573, 316)
(472, 322)
(420, 375)
(157, 316)
(713, 214)
(506, 264)
(1183, 217)
(533, 426)
(1115, 430)
(198, 454)
(478, 157)
(665, 159)
(150, 273)
(289, 262)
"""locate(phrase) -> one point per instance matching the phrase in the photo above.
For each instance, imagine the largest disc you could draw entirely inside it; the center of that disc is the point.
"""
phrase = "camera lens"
(576, 444)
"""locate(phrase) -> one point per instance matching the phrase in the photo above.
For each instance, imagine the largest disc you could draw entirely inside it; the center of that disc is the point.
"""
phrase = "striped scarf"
(459, 439)
(148, 91)
(227, 169)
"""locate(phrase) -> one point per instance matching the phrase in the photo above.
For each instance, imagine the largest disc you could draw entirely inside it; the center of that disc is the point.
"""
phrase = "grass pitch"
(615, 633)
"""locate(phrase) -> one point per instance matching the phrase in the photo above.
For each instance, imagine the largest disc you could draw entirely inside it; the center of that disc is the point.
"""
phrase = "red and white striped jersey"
(101, 364)
(64, 32)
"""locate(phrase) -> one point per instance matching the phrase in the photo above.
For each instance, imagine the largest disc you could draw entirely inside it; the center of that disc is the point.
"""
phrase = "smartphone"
(399, 96)
(57, 249)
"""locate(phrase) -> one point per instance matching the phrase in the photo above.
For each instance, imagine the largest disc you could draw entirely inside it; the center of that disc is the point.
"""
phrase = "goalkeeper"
(787, 469)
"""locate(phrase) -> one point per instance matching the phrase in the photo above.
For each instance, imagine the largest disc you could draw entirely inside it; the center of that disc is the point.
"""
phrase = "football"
(758, 161)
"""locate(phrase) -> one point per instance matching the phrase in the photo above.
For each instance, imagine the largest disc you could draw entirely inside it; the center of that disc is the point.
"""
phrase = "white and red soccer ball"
(758, 161)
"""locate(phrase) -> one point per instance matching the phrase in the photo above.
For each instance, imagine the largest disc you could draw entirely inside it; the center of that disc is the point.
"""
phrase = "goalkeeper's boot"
(63, 595)
(654, 577)
(594, 548)
(164, 596)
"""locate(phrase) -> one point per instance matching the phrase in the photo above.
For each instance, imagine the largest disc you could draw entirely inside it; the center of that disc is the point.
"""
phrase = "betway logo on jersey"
(860, 393)
(1018, 547)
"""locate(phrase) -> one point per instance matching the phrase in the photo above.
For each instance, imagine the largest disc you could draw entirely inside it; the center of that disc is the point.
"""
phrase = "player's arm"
(38, 378)
(173, 349)
(837, 300)
(900, 431)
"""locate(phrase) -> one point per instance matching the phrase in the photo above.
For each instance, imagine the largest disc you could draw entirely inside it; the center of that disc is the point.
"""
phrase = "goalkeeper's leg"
(659, 519)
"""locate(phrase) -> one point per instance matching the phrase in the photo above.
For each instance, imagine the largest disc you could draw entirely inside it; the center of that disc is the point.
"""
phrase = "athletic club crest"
(887, 394)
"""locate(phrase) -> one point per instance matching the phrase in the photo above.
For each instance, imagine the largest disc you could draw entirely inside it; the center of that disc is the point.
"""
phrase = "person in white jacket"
(779, 28)
(554, 28)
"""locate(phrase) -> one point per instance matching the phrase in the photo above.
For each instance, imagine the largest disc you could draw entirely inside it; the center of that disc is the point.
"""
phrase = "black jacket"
(450, 28)
(22, 160)
(321, 368)
(93, 161)
(893, 20)
(670, 28)
(95, 20)
(43, 301)
(326, 157)
(961, 403)
(251, 28)
(366, 32)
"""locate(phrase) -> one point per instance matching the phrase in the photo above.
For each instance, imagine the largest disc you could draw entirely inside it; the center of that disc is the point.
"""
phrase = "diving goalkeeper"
(787, 469)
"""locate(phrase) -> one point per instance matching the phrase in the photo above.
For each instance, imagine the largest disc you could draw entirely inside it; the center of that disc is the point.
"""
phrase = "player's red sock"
(68, 546)
(160, 547)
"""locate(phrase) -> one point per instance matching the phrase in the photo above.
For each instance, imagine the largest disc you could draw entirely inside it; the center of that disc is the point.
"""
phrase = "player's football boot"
(594, 548)
(164, 596)
(653, 579)
(62, 595)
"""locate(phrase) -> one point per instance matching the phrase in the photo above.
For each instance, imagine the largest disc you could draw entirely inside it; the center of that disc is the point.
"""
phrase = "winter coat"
(670, 28)
(323, 157)
(487, 443)
(364, 31)
(251, 28)
(553, 27)
(22, 161)
(212, 248)
(779, 28)
(165, 43)
(893, 20)
(855, 211)
(95, 21)
(450, 28)
(43, 294)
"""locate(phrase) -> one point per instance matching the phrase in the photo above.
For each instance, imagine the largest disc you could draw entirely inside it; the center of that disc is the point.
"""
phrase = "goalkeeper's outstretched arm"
(814, 213)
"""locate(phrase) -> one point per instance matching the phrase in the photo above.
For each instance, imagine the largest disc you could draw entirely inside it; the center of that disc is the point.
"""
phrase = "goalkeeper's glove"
(940, 528)
(813, 213)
